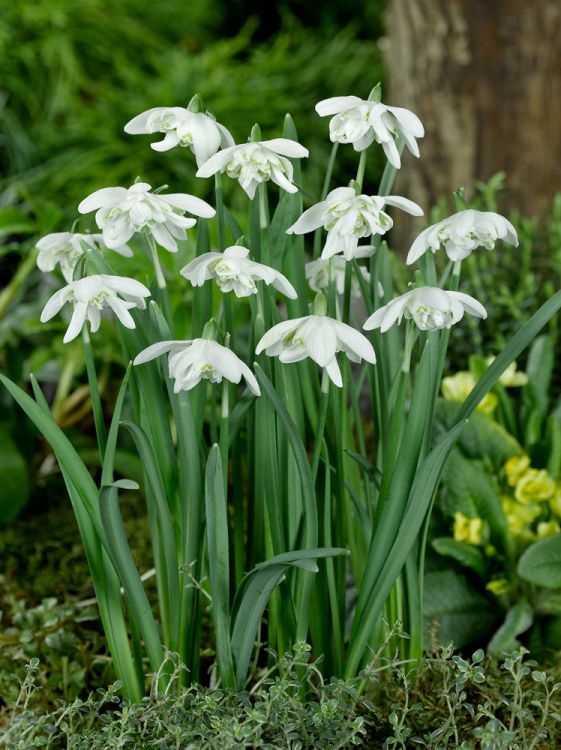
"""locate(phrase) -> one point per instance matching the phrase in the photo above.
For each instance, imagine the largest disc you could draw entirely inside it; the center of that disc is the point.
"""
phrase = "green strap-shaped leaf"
(123, 561)
(308, 494)
(219, 563)
(253, 594)
(160, 510)
(425, 484)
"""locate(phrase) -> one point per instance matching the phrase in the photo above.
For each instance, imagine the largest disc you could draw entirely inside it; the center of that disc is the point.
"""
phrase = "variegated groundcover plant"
(280, 397)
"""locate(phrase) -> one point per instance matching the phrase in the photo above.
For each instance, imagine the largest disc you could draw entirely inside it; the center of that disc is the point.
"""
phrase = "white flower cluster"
(346, 215)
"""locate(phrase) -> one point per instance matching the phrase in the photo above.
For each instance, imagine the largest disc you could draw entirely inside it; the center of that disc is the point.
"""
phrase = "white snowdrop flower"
(429, 307)
(91, 295)
(361, 122)
(463, 233)
(348, 217)
(121, 213)
(234, 271)
(195, 130)
(317, 272)
(256, 162)
(65, 250)
(318, 337)
(190, 362)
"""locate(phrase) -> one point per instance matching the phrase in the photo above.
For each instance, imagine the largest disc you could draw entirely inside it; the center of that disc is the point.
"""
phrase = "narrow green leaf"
(123, 561)
(308, 494)
(219, 563)
(420, 497)
(253, 594)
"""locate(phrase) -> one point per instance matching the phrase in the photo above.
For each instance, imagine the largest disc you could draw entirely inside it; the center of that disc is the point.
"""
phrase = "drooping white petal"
(170, 140)
(408, 121)
(284, 286)
(277, 333)
(54, 305)
(197, 271)
(404, 203)
(392, 154)
(281, 180)
(206, 137)
(190, 203)
(470, 304)
(355, 341)
(334, 372)
(419, 246)
(386, 316)
(76, 322)
(163, 237)
(121, 311)
(216, 162)
(309, 221)
(125, 285)
(286, 147)
(156, 350)
(336, 104)
(104, 197)
(227, 140)
(320, 339)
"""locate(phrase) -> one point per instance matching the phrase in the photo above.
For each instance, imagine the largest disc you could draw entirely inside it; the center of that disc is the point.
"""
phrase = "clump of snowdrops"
(289, 461)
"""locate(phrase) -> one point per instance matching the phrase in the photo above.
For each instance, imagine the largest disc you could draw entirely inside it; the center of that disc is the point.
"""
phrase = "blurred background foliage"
(75, 73)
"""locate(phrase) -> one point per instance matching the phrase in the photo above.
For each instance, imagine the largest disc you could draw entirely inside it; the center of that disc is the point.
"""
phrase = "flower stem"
(163, 296)
(224, 432)
(361, 168)
(94, 391)
(324, 191)
(324, 403)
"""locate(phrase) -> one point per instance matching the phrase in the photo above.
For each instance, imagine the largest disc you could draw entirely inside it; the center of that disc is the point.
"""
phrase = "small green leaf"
(518, 619)
(466, 554)
(540, 564)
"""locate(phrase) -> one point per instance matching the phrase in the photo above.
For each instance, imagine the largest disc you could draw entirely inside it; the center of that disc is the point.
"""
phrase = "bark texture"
(484, 76)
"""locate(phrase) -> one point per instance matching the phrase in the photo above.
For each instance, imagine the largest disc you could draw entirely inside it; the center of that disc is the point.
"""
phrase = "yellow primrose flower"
(458, 387)
(555, 502)
(517, 526)
(511, 377)
(534, 485)
(526, 512)
(548, 528)
(467, 529)
(515, 467)
(498, 586)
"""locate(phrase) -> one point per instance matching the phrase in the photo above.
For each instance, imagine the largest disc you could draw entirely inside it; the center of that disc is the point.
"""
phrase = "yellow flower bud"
(534, 485)
(458, 387)
(498, 586)
(515, 467)
(467, 529)
(548, 528)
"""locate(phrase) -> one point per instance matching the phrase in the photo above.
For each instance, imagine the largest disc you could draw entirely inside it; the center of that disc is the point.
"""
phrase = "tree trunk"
(484, 76)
